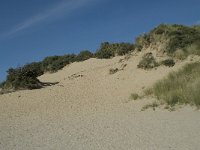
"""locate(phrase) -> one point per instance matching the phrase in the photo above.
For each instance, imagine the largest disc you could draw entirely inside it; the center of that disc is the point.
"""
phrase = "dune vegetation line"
(176, 42)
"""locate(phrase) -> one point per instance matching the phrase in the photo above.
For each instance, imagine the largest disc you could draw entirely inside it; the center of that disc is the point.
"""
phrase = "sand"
(91, 110)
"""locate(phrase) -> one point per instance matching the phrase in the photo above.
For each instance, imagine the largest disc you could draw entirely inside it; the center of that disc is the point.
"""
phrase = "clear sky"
(33, 29)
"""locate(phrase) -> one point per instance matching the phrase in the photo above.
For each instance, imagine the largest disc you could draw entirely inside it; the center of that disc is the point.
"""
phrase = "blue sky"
(33, 29)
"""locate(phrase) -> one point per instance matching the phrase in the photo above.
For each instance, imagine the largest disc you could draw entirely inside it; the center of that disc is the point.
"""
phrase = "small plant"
(113, 71)
(148, 62)
(151, 105)
(134, 96)
(168, 62)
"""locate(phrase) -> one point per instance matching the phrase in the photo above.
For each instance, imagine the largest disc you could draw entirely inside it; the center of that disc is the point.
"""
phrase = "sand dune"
(91, 110)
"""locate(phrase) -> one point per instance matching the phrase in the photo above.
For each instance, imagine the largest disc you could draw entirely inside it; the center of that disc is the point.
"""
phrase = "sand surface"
(91, 110)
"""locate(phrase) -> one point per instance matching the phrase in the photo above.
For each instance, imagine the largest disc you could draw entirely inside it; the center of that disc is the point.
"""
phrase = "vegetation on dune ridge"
(108, 50)
(180, 41)
(173, 37)
(21, 78)
(25, 77)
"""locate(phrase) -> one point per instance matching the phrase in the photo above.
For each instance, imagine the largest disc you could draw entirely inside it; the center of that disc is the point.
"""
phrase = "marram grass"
(182, 87)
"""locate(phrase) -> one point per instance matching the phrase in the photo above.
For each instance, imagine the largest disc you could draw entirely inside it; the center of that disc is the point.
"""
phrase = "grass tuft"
(182, 87)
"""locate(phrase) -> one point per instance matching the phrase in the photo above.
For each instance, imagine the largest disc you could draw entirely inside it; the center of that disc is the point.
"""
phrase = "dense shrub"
(123, 48)
(35, 67)
(182, 37)
(168, 62)
(108, 50)
(84, 55)
(55, 63)
(21, 78)
(174, 36)
(104, 51)
(148, 62)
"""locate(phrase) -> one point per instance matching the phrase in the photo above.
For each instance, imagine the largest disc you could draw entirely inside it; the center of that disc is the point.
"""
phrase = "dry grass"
(182, 87)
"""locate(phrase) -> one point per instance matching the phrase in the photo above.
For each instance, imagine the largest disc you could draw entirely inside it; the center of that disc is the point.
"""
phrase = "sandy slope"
(90, 110)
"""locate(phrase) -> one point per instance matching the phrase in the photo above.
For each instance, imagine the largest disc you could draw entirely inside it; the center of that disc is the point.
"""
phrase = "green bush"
(55, 63)
(84, 55)
(35, 67)
(148, 62)
(182, 87)
(168, 62)
(123, 48)
(108, 50)
(174, 36)
(181, 37)
(21, 78)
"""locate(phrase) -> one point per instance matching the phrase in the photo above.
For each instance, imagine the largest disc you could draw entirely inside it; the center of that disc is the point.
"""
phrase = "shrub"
(123, 48)
(147, 62)
(168, 62)
(21, 78)
(55, 63)
(108, 50)
(35, 67)
(181, 37)
(84, 55)
(134, 96)
(104, 52)
(174, 36)
(180, 87)
(113, 71)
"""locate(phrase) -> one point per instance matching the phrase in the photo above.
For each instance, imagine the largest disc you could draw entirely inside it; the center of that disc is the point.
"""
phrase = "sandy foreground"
(91, 110)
